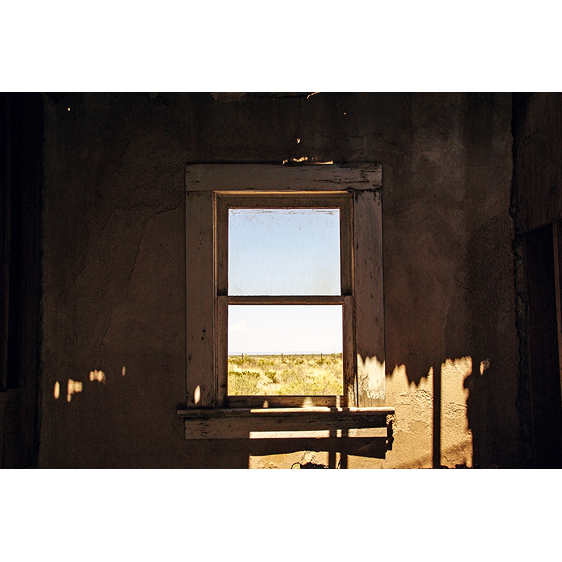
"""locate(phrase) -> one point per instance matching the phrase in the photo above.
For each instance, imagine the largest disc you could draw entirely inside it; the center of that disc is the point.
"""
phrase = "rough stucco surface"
(114, 270)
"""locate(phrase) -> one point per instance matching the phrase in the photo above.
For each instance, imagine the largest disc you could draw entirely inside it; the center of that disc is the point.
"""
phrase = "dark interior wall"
(448, 264)
(21, 117)
(537, 125)
(114, 255)
(543, 349)
(537, 195)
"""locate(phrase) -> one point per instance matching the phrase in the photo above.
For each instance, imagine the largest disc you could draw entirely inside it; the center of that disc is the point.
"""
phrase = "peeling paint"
(371, 377)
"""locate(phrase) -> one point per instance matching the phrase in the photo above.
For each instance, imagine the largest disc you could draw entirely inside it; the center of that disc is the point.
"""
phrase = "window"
(284, 261)
(219, 199)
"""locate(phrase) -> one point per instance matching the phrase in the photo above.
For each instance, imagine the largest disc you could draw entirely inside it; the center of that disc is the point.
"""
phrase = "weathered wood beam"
(278, 177)
(275, 423)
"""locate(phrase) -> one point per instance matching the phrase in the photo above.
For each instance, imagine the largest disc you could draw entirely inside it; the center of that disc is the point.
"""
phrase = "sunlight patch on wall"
(123, 371)
(72, 388)
(453, 374)
(97, 376)
(371, 377)
(413, 424)
(456, 437)
(57, 390)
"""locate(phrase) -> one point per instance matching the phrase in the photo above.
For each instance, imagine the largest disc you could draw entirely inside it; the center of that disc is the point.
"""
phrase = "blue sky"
(284, 252)
(285, 329)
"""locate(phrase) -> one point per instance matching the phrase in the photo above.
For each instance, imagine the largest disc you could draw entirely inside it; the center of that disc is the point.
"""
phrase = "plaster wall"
(537, 196)
(114, 270)
(537, 175)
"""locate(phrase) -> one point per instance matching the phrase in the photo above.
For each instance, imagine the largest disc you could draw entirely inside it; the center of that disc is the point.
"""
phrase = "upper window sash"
(340, 201)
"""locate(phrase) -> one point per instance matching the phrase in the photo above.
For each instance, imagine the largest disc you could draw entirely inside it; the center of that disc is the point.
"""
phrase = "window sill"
(286, 423)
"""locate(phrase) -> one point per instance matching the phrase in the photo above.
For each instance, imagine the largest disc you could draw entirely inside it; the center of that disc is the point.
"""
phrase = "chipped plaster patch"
(371, 377)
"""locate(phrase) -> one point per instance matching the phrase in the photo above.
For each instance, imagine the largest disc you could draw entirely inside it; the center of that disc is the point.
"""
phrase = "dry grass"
(308, 375)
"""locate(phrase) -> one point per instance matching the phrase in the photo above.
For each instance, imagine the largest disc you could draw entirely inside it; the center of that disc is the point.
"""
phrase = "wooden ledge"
(285, 423)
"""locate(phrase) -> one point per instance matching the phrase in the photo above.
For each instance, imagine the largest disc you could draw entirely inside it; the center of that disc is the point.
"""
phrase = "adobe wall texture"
(537, 175)
(114, 271)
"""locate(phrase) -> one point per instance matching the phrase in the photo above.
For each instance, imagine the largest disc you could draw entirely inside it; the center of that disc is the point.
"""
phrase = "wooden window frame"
(210, 190)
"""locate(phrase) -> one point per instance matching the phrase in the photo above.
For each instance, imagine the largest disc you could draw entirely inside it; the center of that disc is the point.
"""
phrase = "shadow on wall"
(443, 417)
(330, 452)
(432, 425)
(460, 358)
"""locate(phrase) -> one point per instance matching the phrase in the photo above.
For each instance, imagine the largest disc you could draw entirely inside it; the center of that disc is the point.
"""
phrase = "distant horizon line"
(235, 353)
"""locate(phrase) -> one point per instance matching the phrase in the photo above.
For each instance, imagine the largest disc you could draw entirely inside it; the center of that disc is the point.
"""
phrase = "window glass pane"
(290, 349)
(283, 252)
